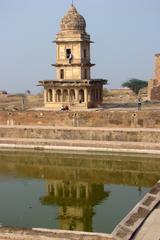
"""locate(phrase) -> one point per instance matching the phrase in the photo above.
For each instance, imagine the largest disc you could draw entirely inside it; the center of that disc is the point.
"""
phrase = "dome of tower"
(73, 20)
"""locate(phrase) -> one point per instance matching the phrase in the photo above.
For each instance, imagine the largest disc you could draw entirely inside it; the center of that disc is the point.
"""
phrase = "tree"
(135, 84)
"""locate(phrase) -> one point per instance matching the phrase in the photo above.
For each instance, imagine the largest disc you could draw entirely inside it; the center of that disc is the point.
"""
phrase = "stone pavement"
(143, 222)
(48, 234)
(150, 230)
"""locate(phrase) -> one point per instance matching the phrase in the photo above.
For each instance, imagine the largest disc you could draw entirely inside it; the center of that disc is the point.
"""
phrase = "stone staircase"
(81, 145)
(80, 138)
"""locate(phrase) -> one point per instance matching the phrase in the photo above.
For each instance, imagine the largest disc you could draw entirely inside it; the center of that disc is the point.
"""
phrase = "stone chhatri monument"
(154, 84)
(73, 86)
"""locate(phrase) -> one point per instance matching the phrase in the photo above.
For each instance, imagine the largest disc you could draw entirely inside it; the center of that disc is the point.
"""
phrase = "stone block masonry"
(102, 118)
(154, 83)
(81, 133)
(133, 225)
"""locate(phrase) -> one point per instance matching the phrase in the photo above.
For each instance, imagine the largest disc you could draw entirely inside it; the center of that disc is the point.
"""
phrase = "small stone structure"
(73, 87)
(154, 84)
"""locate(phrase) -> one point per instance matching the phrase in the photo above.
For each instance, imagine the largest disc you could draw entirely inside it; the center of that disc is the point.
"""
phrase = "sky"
(125, 33)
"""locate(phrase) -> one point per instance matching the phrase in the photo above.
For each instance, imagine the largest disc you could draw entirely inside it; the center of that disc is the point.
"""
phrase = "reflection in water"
(76, 183)
(76, 201)
(134, 170)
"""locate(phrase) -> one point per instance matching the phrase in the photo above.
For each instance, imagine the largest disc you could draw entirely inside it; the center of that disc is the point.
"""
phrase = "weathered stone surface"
(46, 234)
(133, 222)
(105, 118)
(81, 133)
(147, 202)
(40, 143)
(154, 84)
(150, 229)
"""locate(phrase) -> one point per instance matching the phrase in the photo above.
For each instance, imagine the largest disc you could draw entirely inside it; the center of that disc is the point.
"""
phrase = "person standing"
(139, 103)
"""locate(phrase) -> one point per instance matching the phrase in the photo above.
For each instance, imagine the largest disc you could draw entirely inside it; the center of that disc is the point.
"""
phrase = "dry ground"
(114, 99)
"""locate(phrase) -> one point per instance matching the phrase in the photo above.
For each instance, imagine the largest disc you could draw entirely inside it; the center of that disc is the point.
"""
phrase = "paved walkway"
(150, 230)
(143, 221)
(48, 234)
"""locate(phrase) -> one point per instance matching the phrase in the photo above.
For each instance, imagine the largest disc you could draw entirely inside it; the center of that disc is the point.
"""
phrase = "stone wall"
(102, 118)
(154, 84)
(96, 134)
(155, 93)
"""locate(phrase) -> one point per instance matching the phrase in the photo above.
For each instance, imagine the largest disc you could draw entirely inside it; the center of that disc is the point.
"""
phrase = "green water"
(86, 192)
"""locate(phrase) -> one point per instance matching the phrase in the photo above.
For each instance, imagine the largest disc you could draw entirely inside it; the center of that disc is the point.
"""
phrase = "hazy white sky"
(126, 35)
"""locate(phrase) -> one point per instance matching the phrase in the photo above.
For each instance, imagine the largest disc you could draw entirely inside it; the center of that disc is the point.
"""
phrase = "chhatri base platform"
(75, 94)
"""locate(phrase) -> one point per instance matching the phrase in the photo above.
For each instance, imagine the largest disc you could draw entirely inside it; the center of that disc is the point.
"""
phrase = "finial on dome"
(72, 20)
(72, 3)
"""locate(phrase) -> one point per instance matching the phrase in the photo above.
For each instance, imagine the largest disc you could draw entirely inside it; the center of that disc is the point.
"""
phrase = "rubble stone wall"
(103, 118)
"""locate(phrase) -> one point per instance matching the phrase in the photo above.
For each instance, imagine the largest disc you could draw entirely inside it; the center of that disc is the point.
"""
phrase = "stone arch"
(65, 95)
(58, 95)
(49, 95)
(81, 96)
(72, 95)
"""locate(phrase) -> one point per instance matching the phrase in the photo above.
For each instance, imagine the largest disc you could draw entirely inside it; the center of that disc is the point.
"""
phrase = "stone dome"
(73, 21)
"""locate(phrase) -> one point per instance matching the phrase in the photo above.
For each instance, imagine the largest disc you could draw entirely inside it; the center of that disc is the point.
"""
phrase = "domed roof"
(73, 20)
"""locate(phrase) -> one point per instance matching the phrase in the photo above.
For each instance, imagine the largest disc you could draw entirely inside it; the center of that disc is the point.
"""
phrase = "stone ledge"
(125, 129)
(8, 233)
(134, 220)
(80, 145)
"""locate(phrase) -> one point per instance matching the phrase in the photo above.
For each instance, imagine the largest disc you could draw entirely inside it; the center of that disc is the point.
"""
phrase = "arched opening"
(58, 95)
(81, 96)
(65, 95)
(72, 95)
(61, 73)
(49, 95)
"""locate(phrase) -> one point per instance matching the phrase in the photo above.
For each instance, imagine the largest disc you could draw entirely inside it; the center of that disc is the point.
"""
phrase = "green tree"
(135, 84)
